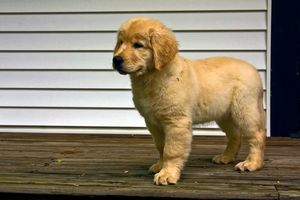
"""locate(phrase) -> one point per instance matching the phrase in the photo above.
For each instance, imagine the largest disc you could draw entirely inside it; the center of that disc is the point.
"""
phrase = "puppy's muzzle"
(118, 64)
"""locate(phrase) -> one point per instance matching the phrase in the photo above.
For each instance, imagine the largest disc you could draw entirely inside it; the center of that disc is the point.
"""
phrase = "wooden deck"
(39, 166)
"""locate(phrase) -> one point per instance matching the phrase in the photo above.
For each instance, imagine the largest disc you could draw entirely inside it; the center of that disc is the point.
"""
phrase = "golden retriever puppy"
(172, 93)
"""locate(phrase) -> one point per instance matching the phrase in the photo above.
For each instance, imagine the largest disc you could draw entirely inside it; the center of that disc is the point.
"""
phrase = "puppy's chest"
(155, 103)
(157, 100)
(147, 103)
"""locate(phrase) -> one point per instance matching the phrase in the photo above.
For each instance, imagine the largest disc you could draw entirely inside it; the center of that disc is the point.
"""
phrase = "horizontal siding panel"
(68, 99)
(258, 59)
(8, 6)
(75, 80)
(95, 130)
(98, 22)
(96, 60)
(222, 40)
(75, 117)
(70, 117)
(72, 80)
(54, 60)
(254, 40)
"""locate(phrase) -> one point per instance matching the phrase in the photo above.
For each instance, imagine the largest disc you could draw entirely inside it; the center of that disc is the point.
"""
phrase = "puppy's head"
(143, 45)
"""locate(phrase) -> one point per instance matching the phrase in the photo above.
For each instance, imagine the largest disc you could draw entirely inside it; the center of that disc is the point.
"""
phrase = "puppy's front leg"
(178, 137)
(159, 140)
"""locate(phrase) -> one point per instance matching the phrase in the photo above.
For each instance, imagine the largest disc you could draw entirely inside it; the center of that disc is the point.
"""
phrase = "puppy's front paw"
(223, 159)
(155, 168)
(248, 165)
(166, 176)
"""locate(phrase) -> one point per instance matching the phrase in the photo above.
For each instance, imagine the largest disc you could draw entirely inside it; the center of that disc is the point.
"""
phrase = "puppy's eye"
(120, 42)
(137, 45)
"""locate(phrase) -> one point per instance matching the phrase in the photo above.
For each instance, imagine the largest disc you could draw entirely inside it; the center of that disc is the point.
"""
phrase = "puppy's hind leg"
(255, 158)
(233, 143)
(250, 116)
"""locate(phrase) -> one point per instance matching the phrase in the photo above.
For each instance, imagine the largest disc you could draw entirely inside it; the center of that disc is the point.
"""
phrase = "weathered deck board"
(99, 165)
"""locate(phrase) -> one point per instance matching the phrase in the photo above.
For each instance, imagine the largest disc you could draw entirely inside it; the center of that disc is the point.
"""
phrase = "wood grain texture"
(102, 165)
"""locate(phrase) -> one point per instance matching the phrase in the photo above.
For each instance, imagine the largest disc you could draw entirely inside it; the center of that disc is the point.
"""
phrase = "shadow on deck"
(52, 166)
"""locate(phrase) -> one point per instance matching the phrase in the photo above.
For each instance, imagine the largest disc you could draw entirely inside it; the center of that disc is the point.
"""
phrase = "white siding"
(55, 69)
(67, 80)
(242, 40)
(102, 60)
(57, 6)
(98, 21)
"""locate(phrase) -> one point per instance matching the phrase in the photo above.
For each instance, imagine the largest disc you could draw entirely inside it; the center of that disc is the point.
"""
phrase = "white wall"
(55, 69)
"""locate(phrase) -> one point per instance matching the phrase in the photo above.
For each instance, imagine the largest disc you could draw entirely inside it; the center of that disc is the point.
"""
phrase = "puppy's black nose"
(118, 61)
(118, 64)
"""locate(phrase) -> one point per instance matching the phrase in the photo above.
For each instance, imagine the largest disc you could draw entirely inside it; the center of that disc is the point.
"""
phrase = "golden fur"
(172, 93)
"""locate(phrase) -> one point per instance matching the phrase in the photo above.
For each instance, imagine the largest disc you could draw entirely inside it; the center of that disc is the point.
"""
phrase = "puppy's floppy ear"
(164, 46)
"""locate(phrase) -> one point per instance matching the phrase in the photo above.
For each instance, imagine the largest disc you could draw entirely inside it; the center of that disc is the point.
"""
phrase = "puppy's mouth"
(123, 72)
